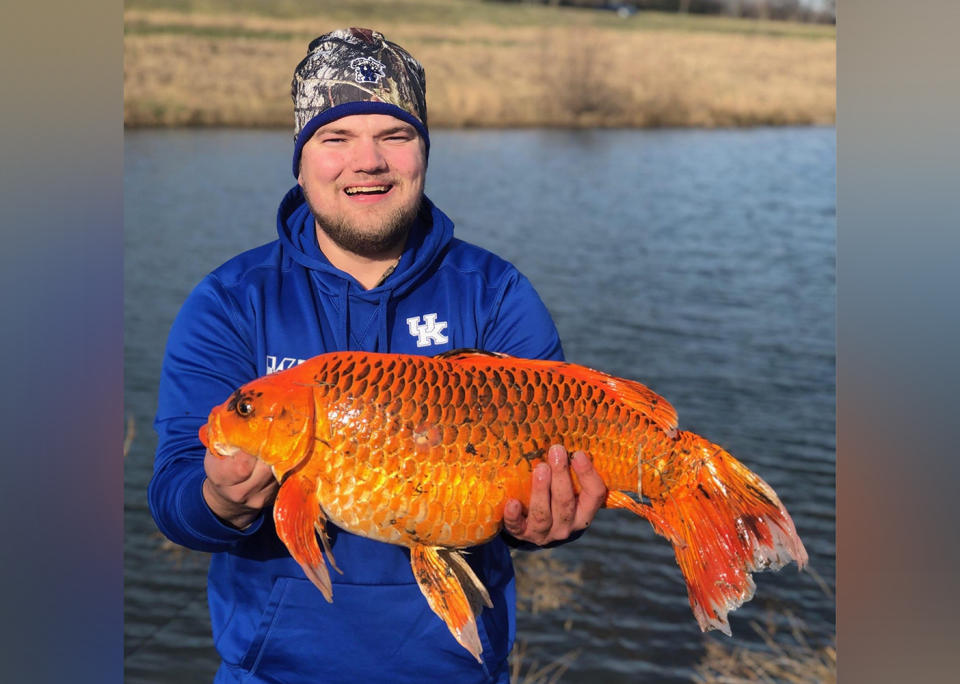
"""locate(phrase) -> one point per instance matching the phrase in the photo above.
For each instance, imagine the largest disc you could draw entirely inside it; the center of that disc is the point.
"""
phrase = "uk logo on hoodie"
(429, 332)
(274, 364)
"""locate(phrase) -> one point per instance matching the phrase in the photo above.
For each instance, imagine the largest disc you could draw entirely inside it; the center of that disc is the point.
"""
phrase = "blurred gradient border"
(897, 341)
(61, 294)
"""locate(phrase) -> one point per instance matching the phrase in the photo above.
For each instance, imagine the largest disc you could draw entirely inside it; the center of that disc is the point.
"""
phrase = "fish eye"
(244, 407)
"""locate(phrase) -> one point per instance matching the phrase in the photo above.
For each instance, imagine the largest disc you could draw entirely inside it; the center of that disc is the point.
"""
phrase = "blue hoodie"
(270, 308)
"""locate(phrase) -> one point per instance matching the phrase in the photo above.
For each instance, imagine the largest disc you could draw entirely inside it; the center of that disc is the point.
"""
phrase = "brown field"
(548, 68)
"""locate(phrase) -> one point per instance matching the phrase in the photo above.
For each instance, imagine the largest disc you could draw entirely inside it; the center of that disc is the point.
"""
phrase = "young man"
(364, 261)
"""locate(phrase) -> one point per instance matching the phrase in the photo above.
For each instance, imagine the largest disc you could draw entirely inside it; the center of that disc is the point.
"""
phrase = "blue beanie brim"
(349, 109)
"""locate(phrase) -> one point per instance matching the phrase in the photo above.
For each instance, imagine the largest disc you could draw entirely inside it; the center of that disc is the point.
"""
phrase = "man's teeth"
(369, 190)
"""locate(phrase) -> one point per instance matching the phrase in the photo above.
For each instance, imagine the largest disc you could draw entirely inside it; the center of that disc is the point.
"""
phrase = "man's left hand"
(555, 511)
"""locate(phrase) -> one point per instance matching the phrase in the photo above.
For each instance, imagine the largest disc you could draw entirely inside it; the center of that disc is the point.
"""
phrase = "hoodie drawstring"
(383, 339)
(344, 342)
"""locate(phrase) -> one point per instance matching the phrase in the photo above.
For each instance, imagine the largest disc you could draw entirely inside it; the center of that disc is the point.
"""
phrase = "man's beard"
(367, 241)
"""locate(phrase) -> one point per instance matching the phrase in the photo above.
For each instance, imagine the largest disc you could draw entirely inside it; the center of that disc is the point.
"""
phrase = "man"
(364, 261)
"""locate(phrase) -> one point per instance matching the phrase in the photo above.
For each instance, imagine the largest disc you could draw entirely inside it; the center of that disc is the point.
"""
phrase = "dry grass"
(444, 14)
(543, 584)
(226, 69)
(788, 657)
(527, 670)
(129, 433)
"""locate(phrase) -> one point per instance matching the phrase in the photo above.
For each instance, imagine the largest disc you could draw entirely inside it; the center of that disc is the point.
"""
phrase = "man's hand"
(237, 487)
(555, 511)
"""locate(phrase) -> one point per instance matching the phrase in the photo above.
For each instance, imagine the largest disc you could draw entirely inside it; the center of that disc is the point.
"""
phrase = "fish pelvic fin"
(730, 522)
(442, 575)
(297, 516)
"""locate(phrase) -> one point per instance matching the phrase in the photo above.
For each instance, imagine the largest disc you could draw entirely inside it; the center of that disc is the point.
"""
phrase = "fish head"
(271, 420)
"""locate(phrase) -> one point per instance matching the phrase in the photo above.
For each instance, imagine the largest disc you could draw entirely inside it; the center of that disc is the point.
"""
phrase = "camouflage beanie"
(355, 71)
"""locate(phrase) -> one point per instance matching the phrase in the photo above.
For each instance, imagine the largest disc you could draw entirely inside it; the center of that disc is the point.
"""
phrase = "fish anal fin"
(617, 499)
(438, 573)
(296, 513)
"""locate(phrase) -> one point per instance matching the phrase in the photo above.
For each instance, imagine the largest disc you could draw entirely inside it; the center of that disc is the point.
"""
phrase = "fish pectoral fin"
(295, 514)
(439, 572)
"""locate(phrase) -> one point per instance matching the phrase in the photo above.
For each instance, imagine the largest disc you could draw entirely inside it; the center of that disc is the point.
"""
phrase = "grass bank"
(213, 62)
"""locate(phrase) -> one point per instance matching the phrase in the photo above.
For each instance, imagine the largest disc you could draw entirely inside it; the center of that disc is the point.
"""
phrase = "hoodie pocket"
(370, 633)
(266, 623)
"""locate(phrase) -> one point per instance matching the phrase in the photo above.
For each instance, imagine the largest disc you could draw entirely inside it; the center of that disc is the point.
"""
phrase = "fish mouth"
(211, 436)
(225, 450)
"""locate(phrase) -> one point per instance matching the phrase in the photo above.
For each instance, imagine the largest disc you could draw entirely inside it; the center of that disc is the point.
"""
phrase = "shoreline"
(234, 70)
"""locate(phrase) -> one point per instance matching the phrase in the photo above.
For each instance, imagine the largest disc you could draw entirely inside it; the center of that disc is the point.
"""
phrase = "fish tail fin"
(297, 516)
(728, 523)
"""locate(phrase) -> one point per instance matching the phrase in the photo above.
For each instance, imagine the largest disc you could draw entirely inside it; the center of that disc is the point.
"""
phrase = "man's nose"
(368, 158)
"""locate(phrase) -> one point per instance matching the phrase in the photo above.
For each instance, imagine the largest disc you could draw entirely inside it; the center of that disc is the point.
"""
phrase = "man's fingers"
(262, 474)
(263, 497)
(241, 479)
(513, 519)
(563, 502)
(590, 481)
(259, 479)
(539, 519)
(593, 492)
(230, 470)
(263, 486)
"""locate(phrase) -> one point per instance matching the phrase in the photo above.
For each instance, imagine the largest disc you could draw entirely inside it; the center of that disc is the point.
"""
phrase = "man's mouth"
(354, 190)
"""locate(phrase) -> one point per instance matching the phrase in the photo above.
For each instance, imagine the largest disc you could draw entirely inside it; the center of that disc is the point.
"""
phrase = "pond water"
(698, 262)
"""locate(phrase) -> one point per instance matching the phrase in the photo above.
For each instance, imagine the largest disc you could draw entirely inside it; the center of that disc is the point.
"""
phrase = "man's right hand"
(237, 487)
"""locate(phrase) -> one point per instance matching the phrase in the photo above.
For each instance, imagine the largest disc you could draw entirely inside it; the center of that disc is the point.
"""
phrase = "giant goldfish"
(425, 452)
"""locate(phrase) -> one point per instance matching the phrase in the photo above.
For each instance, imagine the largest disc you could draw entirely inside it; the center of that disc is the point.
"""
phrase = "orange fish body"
(424, 452)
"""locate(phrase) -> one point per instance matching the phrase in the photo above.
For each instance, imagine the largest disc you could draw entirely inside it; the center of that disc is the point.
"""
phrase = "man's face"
(363, 178)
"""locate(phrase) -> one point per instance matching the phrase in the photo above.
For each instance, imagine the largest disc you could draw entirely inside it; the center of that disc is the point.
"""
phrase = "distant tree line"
(821, 11)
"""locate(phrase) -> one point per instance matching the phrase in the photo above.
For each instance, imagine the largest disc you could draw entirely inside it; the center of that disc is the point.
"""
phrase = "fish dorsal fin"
(639, 396)
(468, 353)
(632, 393)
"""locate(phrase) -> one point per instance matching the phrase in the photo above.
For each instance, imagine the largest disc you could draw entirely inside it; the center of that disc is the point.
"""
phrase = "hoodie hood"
(429, 236)
(363, 313)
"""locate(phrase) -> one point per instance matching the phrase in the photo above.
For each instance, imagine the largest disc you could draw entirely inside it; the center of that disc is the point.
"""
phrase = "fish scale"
(440, 438)
(425, 452)
(491, 408)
